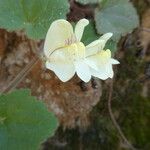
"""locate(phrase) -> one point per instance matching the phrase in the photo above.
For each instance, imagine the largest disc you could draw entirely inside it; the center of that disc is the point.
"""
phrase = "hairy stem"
(114, 120)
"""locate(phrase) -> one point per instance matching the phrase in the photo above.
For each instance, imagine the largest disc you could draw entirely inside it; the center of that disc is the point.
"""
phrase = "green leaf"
(84, 2)
(116, 16)
(34, 16)
(24, 121)
(89, 34)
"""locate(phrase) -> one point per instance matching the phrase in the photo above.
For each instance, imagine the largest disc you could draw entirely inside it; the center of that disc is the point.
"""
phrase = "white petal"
(64, 71)
(114, 61)
(60, 62)
(59, 32)
(99, 59)
(80, 28)
(103, 73)
(109, 70)
(97, 45)
(106, 36)
(111, 73)
(83, 71)
(92, 63)
(99, 74)
(100, 65)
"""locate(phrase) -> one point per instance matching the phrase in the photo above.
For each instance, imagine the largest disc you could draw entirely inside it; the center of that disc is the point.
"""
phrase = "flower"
(99, 60)
(66, 54)
(101, 64)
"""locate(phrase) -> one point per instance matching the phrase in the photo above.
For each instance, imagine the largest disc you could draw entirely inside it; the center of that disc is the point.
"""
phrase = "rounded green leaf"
(24, 121)
(116, 16)
(34, 16)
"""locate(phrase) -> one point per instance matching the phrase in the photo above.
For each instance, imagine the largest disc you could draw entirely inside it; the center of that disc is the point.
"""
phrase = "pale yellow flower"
(67, 55)
(101, 64)
(99, 60)
(64, 52)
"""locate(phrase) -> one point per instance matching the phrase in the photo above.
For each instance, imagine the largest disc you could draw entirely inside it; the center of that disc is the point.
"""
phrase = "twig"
(114, 120)
(20, 76)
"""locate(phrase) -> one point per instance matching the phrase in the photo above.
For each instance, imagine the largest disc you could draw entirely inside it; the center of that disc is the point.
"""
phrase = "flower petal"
(100, 64)
(61, 64)
(99, 74)
(80, 50)
(80, 28)
(114, 61)
(92, 63)
(64, 72)
(111, 72)
(59, 32)
(97, 45)
(103, 73)
(99, 59)
(82, 70)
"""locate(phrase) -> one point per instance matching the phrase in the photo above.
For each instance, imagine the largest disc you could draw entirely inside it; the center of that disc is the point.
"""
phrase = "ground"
(82, 109)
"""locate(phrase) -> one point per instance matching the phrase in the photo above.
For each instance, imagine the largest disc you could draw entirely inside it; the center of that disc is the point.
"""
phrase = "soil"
(84, 119)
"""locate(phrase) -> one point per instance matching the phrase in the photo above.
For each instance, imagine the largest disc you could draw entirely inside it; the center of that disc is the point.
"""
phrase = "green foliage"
(88, 1)
(90, 35)
(24, 121)
(35, 16)
(116, 16)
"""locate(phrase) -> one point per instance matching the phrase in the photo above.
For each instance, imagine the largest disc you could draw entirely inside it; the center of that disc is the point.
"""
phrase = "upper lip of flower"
(61, 34)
